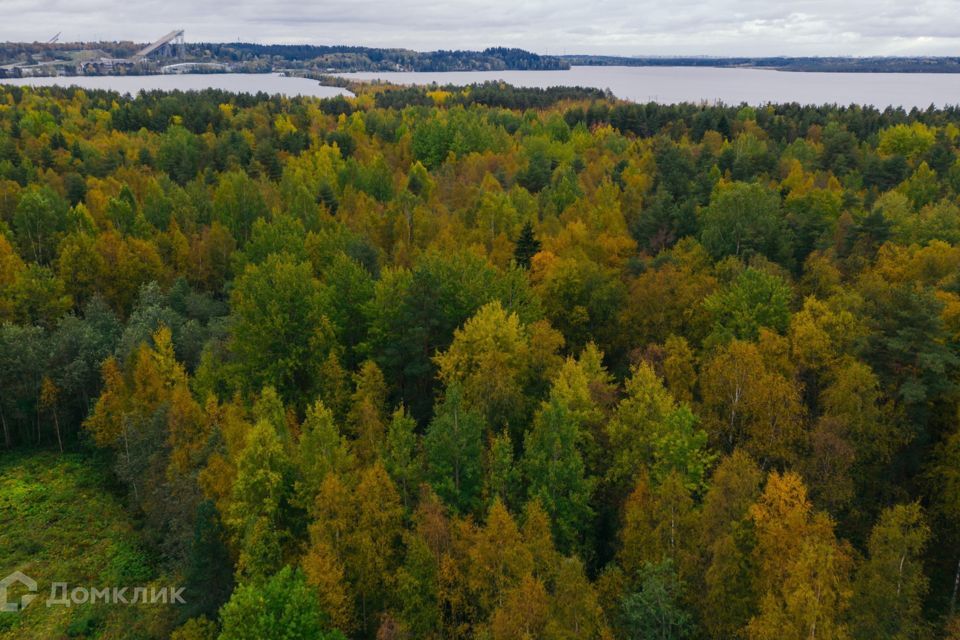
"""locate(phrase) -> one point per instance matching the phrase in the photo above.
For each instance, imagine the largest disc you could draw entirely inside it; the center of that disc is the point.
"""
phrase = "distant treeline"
(781, 63)
(264, 57)
(29, 52)
(490, 94)
(318, 58)
(344, 58)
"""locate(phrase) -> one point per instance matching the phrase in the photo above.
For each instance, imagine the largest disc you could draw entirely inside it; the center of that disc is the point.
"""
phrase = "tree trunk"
(7, 439)
(956, 586)
(38, 418)
(126, 446)
(84, 402)
(900, 574)
(56, 426)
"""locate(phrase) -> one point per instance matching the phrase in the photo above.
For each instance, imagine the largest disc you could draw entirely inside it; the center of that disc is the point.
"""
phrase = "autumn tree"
(373, 540)
(497, 560)
(257, 502)
(655, 609)
(891, 585)
(575, 610)
(668, 298)
(556, 473)
(650, 431)
(585, 388)
(727, 538)
(744, 219)
(367, 418)
(452, 448)
(238, 204)
(322, 449)
(40, 220)
(581, 299)
(280, 333)
(748, 403)
(658, 524)
(803, 572)
(402, 456)
(753, 300)
(489, 360)
(414, 314)
(284, 606)
(502, 473)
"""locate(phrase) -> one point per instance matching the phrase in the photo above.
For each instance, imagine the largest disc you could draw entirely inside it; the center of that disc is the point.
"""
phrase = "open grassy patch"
(60, 522)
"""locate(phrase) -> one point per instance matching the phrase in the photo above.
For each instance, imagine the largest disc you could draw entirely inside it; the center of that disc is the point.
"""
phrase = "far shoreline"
(700, 85)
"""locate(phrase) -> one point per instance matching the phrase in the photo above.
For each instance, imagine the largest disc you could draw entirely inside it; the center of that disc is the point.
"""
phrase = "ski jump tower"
(169, 46)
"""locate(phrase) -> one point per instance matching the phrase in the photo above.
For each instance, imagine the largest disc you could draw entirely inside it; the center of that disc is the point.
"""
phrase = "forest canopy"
(498, 363)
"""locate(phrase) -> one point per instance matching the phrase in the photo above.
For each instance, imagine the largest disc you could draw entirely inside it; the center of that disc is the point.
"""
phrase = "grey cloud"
(718, 27)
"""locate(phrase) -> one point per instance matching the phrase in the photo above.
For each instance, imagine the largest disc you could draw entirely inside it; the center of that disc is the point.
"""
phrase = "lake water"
(641, 84)
(271, 83)
(731, 86)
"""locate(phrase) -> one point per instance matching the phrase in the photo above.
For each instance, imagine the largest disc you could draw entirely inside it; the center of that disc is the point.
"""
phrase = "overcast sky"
(625, 27)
